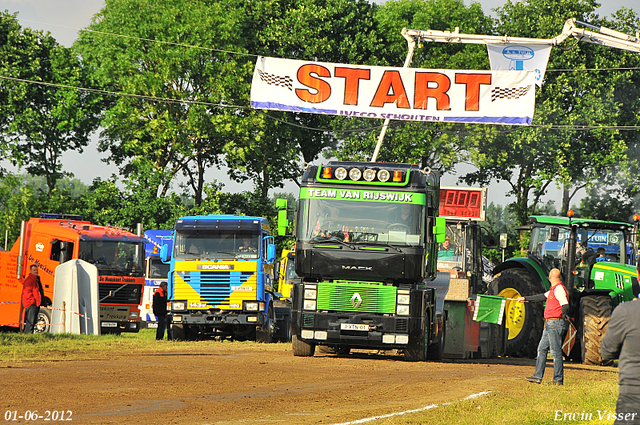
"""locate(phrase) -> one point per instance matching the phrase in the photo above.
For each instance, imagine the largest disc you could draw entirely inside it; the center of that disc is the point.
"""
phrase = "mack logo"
(356, 300)
(361, 268)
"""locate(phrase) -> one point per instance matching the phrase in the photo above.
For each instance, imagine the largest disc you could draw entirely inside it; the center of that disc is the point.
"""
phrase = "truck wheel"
(43, 322)
(177, 332)
(524, 321)
(436, 350)
(595, 312)
(264, 333)
(302, 348)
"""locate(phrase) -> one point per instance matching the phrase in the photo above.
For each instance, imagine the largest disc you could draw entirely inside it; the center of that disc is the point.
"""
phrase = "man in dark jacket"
(160, 309)
(31, 299)
(622, 340)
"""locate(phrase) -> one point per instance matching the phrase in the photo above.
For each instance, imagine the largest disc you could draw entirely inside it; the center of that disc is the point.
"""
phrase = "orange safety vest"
(553, 309)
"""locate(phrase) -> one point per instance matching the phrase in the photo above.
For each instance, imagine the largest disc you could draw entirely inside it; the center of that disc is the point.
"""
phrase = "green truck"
(597, 260)
(365, 257)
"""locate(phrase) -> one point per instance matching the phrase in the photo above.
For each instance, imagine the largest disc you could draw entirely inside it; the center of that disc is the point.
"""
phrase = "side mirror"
(283, 221)
(503, 240)
(554, 233)
(440, 229)
(271, 253)
(164, 254)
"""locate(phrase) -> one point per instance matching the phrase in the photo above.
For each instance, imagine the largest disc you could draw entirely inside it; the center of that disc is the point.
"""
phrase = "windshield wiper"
(387, 244)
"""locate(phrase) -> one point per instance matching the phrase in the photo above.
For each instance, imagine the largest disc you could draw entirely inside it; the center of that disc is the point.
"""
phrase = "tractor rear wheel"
(595, 312)
(523, 321)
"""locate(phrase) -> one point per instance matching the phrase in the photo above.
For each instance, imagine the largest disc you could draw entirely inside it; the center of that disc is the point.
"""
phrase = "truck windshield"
(593, 246)
(157, 269)
(114, 258)
(361, 222)
(215, 243)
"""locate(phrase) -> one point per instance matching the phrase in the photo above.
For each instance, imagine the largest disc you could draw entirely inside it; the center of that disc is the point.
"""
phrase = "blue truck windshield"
(213, 243)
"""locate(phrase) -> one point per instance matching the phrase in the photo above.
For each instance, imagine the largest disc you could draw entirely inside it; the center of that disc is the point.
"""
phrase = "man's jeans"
(552, 337)
(30, 318)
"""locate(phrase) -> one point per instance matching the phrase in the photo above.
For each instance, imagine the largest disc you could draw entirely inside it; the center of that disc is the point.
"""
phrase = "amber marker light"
(570, 213)
(397, 176)
(636, 217)
(326, 173)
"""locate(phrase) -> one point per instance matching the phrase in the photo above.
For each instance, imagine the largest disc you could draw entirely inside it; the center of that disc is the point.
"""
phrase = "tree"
(175, 51)
(531, 159)
(41, 119)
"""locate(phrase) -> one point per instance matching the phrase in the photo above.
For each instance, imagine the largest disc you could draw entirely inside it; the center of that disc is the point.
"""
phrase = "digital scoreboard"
(463, 203)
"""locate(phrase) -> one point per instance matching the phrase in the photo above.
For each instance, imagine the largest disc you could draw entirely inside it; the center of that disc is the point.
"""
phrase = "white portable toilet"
(76, 284)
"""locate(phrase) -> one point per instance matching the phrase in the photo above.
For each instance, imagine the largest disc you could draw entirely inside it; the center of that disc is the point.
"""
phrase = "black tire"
(302, 348)
(524, 321)
(435, 351)
(178, 332)
(595, 312)
(264, 333)
(43, 321)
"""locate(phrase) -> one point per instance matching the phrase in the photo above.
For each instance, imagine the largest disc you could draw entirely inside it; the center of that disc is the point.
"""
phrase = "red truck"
(51, 240)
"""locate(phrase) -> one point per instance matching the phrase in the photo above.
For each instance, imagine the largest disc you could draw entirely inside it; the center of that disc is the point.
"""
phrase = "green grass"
(528, 404)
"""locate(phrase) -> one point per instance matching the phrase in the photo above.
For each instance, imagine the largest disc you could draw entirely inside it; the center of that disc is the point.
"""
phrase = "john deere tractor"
(596, 259)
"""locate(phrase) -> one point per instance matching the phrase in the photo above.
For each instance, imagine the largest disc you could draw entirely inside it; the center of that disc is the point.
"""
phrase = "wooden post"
(64, 317)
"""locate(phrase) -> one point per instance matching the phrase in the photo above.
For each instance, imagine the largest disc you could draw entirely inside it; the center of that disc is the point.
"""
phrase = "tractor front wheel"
(595, 312)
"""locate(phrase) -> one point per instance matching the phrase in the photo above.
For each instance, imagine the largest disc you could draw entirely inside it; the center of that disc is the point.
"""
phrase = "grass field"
(588, 396)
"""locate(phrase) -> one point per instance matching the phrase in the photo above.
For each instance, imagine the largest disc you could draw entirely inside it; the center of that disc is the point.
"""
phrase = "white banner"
(410, 94)
(513, 57)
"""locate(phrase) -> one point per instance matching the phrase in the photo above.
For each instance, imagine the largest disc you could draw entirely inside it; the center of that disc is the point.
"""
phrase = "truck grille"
(344, 296)
(118, 293)
(215, 287)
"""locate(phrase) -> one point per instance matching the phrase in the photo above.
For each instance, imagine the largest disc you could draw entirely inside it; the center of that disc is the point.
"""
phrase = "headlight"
(355, 174)
(251, 306)
(341, 173)
(310, 304)
(383, 175)
(404, 299)
(310, 294)
(402, 310)
(133, 315)
(178, 306)
(369, 174)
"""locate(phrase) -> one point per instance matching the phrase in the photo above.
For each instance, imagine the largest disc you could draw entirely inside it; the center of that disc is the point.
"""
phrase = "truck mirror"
(164, 254)
(554, 232)
(271, 253)
(282, 204)
(440, 229)
(283, 222)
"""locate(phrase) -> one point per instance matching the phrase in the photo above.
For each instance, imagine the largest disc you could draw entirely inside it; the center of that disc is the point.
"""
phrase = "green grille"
(376, 297)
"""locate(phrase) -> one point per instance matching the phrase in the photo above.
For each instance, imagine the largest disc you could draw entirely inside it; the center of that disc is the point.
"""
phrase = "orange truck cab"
(51, 240)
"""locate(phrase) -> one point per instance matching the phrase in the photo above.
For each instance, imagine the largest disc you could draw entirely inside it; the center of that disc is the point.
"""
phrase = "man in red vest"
(31, 299)
(556, 313)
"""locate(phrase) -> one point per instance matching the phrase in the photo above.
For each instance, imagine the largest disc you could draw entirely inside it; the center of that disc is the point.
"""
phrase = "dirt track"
(243, 383)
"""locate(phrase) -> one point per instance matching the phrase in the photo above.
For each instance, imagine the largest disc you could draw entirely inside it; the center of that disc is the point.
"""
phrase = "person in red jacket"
(555, 327)
(31, 299)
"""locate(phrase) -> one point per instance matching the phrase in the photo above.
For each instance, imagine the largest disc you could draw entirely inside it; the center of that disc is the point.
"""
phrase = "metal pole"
(412, 47)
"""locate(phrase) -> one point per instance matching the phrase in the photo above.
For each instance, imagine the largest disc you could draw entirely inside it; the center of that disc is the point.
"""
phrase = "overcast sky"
(64, 18)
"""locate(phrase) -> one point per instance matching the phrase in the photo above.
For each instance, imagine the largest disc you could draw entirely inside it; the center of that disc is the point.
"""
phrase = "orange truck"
(53, 239)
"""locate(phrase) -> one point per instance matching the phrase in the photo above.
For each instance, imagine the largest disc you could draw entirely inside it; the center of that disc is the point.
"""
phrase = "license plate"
(354, 327)
(109, 324)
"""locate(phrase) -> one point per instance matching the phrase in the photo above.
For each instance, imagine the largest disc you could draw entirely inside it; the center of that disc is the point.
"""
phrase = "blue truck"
(221, 279)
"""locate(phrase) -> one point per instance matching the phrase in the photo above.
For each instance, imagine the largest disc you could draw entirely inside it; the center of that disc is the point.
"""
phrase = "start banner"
(410, 94)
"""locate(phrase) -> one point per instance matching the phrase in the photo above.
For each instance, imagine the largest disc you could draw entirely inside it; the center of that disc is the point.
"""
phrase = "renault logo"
(356, 300)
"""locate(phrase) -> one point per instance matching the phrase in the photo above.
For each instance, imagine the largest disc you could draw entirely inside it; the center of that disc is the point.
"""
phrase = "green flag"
(489, 308)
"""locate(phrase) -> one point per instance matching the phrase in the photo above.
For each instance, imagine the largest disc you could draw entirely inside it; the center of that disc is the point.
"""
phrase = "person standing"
(160, 309)
(31, 299)
(555, 327)
(622, 341)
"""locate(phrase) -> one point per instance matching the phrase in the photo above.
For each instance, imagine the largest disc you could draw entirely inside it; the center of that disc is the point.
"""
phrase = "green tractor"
(596, 261)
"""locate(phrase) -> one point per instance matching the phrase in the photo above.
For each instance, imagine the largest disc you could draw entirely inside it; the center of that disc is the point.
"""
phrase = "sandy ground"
(242, 383)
